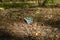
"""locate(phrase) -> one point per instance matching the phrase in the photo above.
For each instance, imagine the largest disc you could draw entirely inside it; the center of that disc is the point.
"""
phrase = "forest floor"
(46, 25)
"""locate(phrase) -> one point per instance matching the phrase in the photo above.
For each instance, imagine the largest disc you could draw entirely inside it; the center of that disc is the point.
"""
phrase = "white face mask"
(28, 20)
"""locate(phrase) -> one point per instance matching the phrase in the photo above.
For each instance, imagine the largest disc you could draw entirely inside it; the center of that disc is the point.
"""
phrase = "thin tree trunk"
(44, 3)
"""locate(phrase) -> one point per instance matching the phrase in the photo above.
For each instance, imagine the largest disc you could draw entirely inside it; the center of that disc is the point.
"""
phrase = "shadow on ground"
(53, 23)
